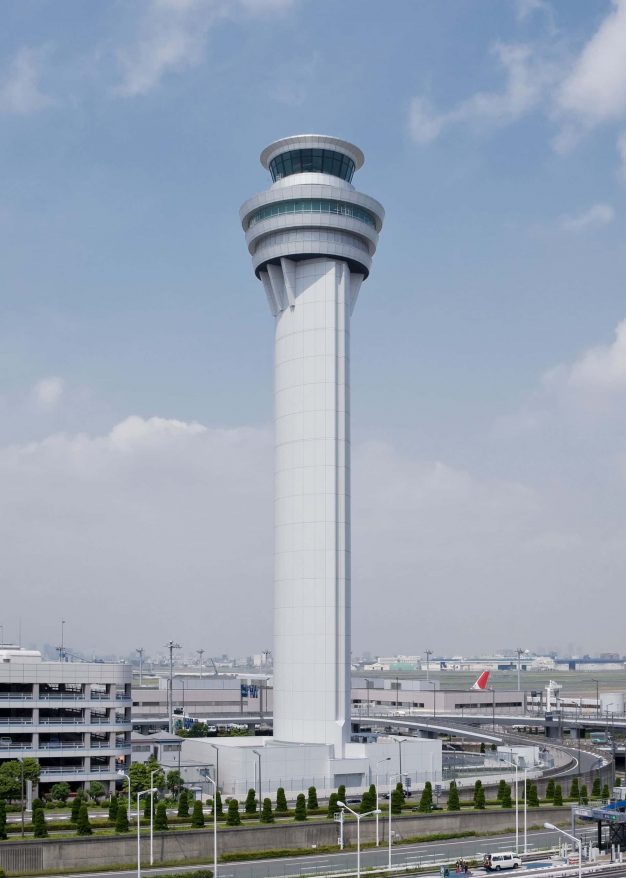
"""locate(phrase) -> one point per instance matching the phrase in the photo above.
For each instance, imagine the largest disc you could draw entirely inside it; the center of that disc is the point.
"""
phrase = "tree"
(501, 789)
(605, 792)
(3, 819)
(550, 789)
(218, 804)
(479, 798)
(60, 792)
(341, 792)
(250, 803)
(96, 790)
(482, 746)
(37, 804)
(281, 801)
(146, 806)
(426, 799)
(197, 816)
(557, 798)
(312, 804)
(10, 780)
(121, 818)
(333, 807)
(174, 782)
(139, 773)
(506, 800)
(40, 829)
(198, 730)
(161, 823)
(83, 826)
(400, 789)
(266, 812)
(233, 818)
(77, 802)
(454, 803)
(113, 808)
(533, 797)
(584, 795)
(397, 800)
(183, 804)
(574, 791)
(477, 786)
(300, 813)
(596, 789)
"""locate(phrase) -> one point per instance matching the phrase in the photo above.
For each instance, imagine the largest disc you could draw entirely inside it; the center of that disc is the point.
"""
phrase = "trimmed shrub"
(550, 789)
(250, 803)
(60, 792)
(3, 819)
(39, 823)
(77, 802)
(197, 816)
(183, 804)
(397, 801)
(146, 806)
(83, 826)
(557, 798)
(574, 791)
(266, 812)
(400, 789)
(341, 793)
(605, 792)
(218, 804)
(533, 797)
(479, 798)
(482, 746)
(300, 813)
(501, 789)
(161, 823)
(233, 818)
(506, 800)
(426, 799)
(596, 789)
(333, 807)
(453, 798)
(584, 795)
(311, 803)
(121, 818)
(281, 801)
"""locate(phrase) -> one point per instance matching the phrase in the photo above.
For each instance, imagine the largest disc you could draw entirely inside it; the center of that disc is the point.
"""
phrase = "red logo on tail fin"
(481, 683)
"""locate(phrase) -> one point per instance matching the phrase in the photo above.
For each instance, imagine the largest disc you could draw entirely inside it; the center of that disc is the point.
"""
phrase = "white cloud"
(47, 393)
(527, 8)
(173, 36)
(526, 77)
(596, 216)
(599, 369)
(595, 89)
(20, 91)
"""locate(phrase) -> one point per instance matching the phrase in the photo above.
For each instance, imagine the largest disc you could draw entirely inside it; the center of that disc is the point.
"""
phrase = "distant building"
(73, 717)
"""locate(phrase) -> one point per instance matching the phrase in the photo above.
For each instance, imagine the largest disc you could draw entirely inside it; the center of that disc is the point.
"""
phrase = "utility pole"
(519, 659)
(428, 653)
(141, 651)
(200, 653)
(171, 646)
(61, 649)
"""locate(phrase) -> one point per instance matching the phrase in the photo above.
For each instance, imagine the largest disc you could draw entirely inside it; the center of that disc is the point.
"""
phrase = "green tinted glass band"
(313, 205)
(302, 161)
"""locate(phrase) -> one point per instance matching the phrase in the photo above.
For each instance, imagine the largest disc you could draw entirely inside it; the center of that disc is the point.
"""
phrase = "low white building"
(73, 717)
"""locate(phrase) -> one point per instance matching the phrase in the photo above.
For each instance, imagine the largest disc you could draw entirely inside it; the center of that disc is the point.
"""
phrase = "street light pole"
(141, 651)
(428, 653)
(22, 768)
(149, 792)
(208, 777)
(400, 742)
(358, 834)
(200, 653)
(597, 682)
(514, 764)
(217, 764)
(573, 838)
(123, 774)
(152, 791)
(171, 646)
(391, 780)
(519, 658)
(258, 755)
(380, 761)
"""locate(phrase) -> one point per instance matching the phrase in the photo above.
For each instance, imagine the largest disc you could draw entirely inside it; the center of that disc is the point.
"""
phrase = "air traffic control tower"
(312, 237)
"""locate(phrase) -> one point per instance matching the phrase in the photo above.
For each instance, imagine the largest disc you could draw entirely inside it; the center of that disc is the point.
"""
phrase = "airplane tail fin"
(481, 683)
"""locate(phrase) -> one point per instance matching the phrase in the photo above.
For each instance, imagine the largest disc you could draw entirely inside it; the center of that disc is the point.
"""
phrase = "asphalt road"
(409, 855)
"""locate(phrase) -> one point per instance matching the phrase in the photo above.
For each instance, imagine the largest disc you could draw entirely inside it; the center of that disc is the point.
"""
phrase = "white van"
(502, 860)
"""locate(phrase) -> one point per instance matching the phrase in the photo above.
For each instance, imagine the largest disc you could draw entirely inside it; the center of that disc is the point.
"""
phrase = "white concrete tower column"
(312, 237)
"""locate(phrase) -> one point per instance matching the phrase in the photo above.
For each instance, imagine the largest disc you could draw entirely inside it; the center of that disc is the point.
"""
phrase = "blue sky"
(488, 369)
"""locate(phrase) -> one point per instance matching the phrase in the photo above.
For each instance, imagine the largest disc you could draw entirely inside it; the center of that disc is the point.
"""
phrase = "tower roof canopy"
(312, 141)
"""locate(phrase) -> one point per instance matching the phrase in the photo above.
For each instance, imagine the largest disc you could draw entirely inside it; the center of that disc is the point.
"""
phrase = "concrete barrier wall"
(76, 854)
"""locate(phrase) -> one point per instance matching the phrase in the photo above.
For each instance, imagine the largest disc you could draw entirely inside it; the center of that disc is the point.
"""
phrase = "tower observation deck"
(312, 237)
